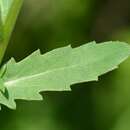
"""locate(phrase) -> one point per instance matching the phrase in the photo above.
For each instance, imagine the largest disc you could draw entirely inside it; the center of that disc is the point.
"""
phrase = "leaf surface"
(58, 69)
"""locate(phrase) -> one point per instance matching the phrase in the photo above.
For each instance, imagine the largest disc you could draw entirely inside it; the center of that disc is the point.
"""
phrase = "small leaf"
(60, 68)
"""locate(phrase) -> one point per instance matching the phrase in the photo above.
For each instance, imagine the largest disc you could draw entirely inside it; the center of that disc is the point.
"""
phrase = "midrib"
(11, 82)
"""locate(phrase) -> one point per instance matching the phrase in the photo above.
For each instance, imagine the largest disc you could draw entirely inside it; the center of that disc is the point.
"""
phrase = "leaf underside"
(58, 69)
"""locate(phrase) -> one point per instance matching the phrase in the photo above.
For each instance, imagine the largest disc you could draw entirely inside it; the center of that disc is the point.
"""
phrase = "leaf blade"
(60, 68)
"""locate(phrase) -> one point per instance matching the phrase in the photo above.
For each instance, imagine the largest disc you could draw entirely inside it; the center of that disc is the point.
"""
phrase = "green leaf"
(58, 69)
(9, 10)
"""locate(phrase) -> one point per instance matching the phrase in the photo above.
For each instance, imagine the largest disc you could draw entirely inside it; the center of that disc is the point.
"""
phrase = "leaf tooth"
(10, 103)
(38, 96)
(12, 61)
(88, 45)
(55, 51)
(36, 53)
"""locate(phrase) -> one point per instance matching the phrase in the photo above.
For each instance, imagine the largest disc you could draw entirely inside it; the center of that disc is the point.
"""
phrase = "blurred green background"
(48, 24)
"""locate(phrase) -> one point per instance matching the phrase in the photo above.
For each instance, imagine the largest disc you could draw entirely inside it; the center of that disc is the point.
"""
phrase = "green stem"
(8, 26)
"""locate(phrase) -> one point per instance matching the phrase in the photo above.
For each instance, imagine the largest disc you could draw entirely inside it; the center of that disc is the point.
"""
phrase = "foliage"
(67, 66)
(37, 72)
(59, 69)
(108, 98)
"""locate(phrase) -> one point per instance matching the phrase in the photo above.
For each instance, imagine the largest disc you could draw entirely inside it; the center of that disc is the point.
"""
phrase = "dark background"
(48, 24)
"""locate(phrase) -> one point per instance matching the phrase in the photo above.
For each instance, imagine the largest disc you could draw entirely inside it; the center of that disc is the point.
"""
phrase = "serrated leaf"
(58, 69)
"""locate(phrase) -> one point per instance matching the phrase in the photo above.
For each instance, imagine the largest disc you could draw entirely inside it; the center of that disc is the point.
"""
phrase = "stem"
(8, 26)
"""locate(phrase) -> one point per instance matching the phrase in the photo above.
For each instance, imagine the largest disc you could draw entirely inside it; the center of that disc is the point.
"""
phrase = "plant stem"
(8, 26)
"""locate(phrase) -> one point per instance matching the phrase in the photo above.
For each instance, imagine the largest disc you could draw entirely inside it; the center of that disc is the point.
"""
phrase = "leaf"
(58, 69)
(9, 10)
